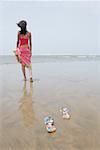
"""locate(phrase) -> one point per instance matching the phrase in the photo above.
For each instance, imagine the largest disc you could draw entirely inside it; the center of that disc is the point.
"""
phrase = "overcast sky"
(57, 27)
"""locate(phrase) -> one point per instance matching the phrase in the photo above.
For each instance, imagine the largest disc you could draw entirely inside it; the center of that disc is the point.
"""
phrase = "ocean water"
(51, 58)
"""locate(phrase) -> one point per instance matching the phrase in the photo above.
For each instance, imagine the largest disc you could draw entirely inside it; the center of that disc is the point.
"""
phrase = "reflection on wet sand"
(26, 105)
(73, 84)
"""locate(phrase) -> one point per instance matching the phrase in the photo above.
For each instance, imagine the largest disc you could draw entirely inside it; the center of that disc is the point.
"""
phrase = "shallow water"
(23, 106)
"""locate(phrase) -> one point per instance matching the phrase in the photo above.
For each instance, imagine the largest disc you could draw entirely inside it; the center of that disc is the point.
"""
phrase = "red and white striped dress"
(24, 53)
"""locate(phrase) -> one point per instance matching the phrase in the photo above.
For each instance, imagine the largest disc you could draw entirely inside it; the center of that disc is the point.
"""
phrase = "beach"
(23, 106)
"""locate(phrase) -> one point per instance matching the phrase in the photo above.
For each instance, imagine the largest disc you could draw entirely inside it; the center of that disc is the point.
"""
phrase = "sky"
(57, 27)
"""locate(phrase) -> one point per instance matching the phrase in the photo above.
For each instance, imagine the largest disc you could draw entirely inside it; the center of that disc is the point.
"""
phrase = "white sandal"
(65, 113)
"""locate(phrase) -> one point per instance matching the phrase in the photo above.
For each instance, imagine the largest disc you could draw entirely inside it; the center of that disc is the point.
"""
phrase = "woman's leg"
(30, 73)
(24, 73)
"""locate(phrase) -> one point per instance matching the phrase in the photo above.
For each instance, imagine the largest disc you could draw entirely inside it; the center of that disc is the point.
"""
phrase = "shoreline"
(9, 59)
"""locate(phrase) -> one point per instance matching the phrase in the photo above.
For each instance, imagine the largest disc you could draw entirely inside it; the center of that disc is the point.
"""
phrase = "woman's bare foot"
(25, 79)
(31, 80)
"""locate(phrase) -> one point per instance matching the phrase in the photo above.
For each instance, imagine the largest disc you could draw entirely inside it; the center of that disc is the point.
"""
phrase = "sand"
(23, 106)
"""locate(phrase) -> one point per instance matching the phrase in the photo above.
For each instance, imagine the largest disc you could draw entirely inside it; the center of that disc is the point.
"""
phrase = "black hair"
(22, 24)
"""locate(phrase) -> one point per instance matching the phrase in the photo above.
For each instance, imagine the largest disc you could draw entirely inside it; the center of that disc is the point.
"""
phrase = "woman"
(24, 48)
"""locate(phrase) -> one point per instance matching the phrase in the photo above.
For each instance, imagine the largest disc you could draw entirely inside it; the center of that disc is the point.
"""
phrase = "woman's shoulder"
(29, 33)
(18, 33)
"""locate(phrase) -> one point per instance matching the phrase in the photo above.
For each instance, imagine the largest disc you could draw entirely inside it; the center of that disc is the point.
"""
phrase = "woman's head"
(22, 24)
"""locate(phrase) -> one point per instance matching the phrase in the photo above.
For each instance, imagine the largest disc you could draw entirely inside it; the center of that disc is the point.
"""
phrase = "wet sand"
(23, 106)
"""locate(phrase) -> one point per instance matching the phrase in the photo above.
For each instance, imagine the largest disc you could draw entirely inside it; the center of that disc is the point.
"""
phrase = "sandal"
(65, 113)
(49, 122)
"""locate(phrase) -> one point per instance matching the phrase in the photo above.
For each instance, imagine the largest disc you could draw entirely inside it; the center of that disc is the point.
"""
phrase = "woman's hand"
(31, 54)
(17, 58)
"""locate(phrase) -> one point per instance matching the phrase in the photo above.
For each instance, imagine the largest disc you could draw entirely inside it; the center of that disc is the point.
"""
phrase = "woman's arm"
(30, 43)
(17, 46)
(18, 39)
